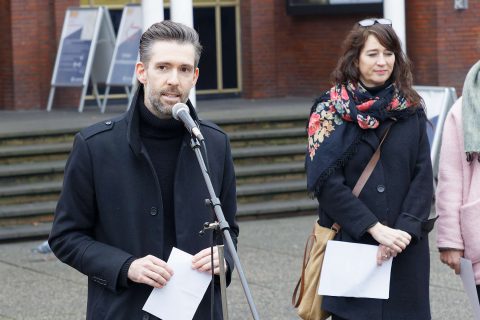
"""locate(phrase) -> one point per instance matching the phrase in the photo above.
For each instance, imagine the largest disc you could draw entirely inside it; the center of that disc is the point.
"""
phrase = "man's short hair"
(168, 31)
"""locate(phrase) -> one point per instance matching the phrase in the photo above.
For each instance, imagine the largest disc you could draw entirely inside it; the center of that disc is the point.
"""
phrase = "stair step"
(32, 150)
(245, 119)
(271, 188)
(276, 207)
(269, 169)
(32, 168)
(267, 134)
(39, 133)
(27, 210)
(31, 189)
(25, 231)
(264, 151)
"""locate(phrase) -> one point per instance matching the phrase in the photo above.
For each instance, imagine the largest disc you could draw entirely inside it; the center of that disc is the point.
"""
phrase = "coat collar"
(133, 120)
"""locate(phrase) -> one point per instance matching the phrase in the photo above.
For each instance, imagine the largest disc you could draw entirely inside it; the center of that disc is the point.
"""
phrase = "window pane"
(229, 48)
(204, 23)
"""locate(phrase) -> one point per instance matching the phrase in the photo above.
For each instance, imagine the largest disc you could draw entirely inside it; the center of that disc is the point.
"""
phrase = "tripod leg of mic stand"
(223, 282)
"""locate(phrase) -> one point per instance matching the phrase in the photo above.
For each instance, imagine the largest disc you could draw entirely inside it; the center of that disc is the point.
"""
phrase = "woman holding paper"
(458, 191)
(373, 92)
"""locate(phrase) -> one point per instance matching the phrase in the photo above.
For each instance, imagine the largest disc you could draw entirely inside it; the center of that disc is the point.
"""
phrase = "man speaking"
(133, 188)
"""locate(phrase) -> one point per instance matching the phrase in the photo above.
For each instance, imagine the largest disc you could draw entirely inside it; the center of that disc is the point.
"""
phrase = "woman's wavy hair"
(347, 66)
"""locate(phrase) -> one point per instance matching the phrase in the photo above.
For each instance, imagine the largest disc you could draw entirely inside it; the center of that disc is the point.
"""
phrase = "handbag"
(309, 302)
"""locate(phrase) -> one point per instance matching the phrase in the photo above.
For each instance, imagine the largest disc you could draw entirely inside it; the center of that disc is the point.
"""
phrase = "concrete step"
(58, 166)
(26, 210)
(268, 151)
(65, 147)
(38, 137)
(31, 189)
(36, 152)
(265, 209)
(256, 170)
(25, 231)
(243, 190)
(267, 134)
(281, 136)
(246, 211)
(271, 188)
(32, 168)
(245, 120)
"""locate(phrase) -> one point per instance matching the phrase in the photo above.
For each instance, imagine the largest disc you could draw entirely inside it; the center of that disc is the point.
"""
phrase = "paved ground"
(35, 286)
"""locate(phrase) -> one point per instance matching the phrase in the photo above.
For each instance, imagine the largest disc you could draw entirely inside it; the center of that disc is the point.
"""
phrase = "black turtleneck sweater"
(375, 90)
(162, 138)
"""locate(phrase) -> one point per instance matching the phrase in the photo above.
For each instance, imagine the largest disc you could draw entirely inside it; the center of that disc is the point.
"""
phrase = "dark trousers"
(478, 293)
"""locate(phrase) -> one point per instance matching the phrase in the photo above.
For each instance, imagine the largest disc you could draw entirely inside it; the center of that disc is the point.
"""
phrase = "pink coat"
(458, 193)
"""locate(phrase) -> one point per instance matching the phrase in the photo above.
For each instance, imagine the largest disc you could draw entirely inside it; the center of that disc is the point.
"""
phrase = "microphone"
(181, 113)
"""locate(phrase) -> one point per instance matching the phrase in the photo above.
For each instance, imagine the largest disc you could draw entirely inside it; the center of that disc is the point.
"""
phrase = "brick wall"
(287, 55)
(64, 97)
(6, 74)
(258, 48)
(28, 55)
(421, 43)
(282, 55)
(442, 42)
(30, 33)
(458, 37)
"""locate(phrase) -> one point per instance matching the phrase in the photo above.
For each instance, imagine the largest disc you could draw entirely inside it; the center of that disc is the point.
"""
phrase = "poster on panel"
(75, 48)
(125, 56)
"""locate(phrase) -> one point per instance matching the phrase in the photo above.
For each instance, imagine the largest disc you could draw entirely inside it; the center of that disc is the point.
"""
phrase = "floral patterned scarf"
(330, 141)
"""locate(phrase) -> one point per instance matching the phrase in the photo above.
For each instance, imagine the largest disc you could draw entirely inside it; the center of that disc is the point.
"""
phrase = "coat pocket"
(469, 223)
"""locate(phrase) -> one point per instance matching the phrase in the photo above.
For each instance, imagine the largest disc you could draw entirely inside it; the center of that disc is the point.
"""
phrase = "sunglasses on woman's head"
(371, 22)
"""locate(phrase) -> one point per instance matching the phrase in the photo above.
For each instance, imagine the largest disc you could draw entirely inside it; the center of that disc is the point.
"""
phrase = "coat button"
(380, 188)
(145, 317)
(153, 211)
(108, 122)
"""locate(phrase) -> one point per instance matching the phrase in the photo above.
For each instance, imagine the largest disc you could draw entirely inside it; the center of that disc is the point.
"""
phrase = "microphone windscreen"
(177, 108)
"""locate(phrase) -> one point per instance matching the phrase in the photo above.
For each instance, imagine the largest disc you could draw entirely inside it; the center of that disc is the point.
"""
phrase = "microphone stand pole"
(224, 227)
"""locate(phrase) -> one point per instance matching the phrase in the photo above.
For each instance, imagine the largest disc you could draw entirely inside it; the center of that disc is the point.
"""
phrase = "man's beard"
(154, 97)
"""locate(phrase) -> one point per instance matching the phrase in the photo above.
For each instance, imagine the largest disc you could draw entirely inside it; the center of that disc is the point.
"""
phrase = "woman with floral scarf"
(373, 92)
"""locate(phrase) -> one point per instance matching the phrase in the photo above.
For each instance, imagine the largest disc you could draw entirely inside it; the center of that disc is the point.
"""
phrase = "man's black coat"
(110, 210)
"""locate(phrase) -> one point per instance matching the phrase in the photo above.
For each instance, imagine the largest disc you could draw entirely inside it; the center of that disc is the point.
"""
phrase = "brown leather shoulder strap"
(370, 166)
(367, 172)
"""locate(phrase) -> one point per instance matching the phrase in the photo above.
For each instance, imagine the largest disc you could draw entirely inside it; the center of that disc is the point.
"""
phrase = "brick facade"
(6, 70)
(282, 55)
(30, 30)
(442, 42)
(301, 51)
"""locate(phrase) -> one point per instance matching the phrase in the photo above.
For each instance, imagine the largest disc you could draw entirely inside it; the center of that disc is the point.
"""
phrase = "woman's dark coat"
(110, 209)
(399, 195)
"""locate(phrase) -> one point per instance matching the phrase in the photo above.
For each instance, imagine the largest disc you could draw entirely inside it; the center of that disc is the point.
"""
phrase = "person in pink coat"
(458, 190)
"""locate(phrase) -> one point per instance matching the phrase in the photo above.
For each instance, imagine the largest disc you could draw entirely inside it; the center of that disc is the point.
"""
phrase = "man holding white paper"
(133, 189)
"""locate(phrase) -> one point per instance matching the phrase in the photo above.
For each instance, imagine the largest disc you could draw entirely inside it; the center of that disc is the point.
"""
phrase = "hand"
(451, 257)
(396, 240)
(384, 254)
(150, 270)
(202, 261)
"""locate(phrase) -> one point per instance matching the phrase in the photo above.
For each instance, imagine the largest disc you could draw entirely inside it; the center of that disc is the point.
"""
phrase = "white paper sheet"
(350, 270)
(468, 279)
(180, 298)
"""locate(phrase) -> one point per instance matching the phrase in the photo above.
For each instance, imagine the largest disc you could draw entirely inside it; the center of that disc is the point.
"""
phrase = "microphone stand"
(224, 227)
